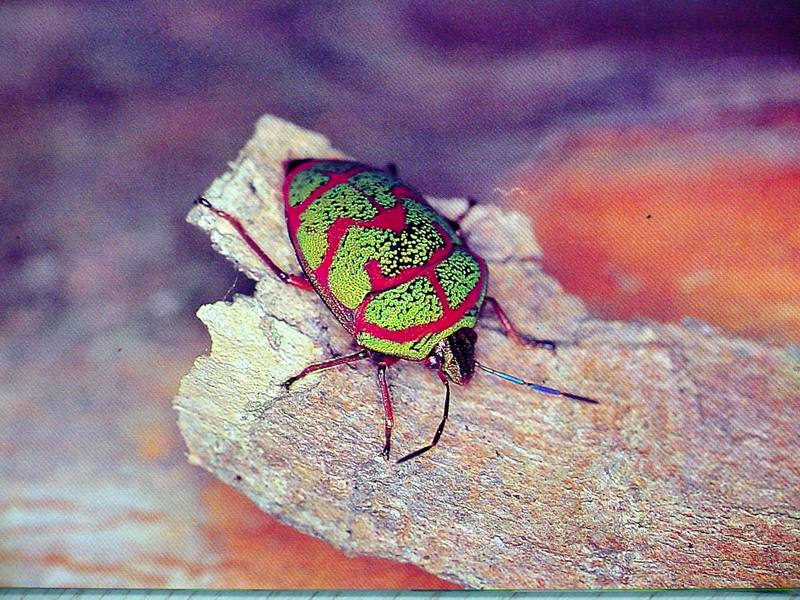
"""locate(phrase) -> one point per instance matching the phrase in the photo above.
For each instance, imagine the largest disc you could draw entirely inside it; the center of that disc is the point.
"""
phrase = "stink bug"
(396, 274)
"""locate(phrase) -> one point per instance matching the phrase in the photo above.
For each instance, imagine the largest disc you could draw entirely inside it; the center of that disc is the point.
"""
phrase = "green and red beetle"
(396, 274)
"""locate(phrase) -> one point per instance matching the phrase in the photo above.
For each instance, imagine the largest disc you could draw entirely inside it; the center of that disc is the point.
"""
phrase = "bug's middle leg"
(296, 280)
(511, 331)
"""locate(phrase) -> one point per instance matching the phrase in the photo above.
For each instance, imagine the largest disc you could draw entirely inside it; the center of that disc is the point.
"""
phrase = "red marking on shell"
(450, 317)
(392, 219)
(379, 281)
(334, 179)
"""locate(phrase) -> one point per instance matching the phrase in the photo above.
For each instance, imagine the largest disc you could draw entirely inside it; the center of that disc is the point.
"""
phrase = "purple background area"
(115, 116)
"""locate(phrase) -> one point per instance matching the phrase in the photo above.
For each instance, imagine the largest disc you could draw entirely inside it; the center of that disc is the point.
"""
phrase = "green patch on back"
(341, 201)
(377, 185)
(459, 273)
(348, 280)
(304, 184)
(416, 349)
(412, 247)
(308, 180)
(314, 245)
(401, 307)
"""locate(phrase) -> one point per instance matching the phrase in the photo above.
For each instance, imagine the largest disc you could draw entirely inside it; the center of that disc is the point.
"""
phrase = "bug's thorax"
(454, 356)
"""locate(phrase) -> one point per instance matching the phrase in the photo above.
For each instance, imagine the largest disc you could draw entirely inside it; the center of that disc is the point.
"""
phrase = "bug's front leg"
(296, 280)
(327, 364)
(440, 429)
(512, 332)
(388, 410)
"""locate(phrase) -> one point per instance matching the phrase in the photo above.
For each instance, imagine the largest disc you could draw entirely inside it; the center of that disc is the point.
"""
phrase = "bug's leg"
(392, 169)
(327, 364)
(388, 411)
(456, 223)
(470, 203)
(512, 332)
(296, 280)
(439, 429)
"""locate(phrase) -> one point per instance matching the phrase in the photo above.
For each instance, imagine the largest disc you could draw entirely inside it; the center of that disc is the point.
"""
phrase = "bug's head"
(455, 356)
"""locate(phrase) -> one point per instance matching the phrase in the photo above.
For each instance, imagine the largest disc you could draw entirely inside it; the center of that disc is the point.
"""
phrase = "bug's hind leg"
(296, 280)
(327, 364)
(512, 332)
(392, 169)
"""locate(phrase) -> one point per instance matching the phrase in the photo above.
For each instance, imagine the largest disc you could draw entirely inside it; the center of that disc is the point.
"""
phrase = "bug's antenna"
(539, 388)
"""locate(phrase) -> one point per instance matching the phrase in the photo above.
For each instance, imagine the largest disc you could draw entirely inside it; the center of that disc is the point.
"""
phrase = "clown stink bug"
(395, 273)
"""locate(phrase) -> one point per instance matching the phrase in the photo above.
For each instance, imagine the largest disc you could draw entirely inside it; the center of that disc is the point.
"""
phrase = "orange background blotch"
(259, 551)
(664, 225)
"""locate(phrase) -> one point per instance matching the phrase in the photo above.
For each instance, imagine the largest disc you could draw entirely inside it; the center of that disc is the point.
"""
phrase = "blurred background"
(655, 145)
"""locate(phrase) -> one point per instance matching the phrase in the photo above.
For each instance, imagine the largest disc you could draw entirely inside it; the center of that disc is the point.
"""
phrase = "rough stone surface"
(686, 474)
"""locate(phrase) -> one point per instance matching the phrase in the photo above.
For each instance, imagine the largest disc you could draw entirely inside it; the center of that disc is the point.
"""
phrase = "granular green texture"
(415, 349)
(419, 214)
(348, 280)
(459, 273)
(408, 304)
(414, 246)
(341, 201)
(314, 246)
(316, 220)
(304, 184)
(377, 185)
(394, 252)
